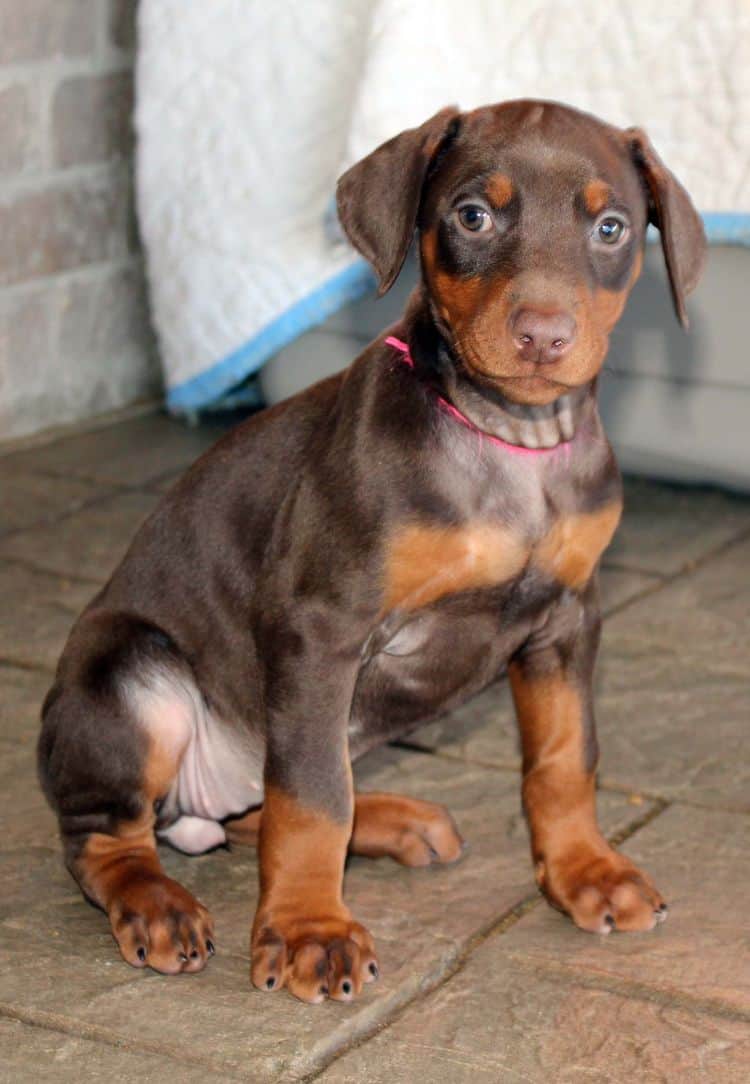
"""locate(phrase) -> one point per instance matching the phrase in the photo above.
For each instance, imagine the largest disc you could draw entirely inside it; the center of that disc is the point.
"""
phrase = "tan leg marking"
(575, 866)
(303, 935)
(155, 921)
(425, 563)
(413, 832)
(244, 830)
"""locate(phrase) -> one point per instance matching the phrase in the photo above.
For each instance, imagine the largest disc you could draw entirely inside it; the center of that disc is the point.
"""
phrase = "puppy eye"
(474, 219)
(610, 230)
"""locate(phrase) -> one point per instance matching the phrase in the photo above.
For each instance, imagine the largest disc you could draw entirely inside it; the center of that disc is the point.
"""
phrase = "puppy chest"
(425, 563)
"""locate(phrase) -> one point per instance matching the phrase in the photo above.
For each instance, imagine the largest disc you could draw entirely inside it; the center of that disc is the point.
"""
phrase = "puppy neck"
(521, 425)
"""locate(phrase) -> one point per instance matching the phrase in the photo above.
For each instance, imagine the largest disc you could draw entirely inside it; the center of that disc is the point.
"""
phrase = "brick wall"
(74, 332)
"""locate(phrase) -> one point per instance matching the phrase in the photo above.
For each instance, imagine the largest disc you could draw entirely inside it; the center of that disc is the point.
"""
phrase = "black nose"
(542, 336)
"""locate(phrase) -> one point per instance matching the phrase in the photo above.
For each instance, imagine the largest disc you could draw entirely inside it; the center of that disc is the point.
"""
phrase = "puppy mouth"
(540, 416)
(532, 388)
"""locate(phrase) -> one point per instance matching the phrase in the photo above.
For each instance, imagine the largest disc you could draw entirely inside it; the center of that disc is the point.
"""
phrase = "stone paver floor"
(481, 979)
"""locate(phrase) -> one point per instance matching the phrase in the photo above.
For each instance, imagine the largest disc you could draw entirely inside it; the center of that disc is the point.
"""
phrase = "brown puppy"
(374, 551)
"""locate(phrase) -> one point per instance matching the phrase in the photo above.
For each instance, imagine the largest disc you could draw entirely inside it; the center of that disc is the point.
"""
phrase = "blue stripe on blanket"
(208, 388)
(348, 285)
(722, 228)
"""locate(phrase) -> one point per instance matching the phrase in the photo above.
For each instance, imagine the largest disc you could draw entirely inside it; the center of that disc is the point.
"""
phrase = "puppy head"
(531, 220)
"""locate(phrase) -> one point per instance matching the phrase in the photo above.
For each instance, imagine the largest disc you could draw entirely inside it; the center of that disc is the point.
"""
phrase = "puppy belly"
(221, 774)
(219, 767)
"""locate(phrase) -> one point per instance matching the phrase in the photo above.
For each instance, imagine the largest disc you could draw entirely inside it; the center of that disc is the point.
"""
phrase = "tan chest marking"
(424, 564)
(571, 548)
(427, 563)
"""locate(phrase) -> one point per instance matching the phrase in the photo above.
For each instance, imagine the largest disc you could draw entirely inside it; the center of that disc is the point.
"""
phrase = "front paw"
(601, 890)
(314, 957)
(158, 924)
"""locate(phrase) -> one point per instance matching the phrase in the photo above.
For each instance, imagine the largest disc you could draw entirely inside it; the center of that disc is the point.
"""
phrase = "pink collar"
(449, 408)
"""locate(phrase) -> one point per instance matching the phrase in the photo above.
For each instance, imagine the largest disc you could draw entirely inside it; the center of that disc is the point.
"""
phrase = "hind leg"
(155, 921)
(114, 731)
(413, 832)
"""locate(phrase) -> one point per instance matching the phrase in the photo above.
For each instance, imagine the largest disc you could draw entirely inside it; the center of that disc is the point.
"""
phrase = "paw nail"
(141, 954)
(346, 987)
(182, 958)
(324, 991)
(270, 982)
(374, 970)
(210, 948)
(609, 920)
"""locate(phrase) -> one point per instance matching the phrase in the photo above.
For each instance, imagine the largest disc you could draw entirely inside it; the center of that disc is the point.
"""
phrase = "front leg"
(551, 680)
(304, 936)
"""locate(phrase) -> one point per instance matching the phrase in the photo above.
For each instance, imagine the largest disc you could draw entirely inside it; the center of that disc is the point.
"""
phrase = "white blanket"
(248, 110)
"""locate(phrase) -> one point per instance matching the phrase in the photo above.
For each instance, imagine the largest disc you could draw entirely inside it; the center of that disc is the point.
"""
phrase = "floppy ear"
(378, 198)
(671, 210)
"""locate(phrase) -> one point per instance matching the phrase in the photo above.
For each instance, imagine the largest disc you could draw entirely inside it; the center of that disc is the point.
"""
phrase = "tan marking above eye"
(596, 196)
(424, 563)
(571, 548)
(499, 189)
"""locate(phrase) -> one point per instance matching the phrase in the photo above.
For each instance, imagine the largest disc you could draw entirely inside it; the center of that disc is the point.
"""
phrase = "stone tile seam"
(610, 786)
(632, 989)
(145, 488)
(607, 786)
(637, 570)
(309, 1065)
(104, 1036)
(492, 929)
(51, 521)
(142, 408)
(116, 489)
(441, 974)
(31, 566)
(7, 662)
(688, 569)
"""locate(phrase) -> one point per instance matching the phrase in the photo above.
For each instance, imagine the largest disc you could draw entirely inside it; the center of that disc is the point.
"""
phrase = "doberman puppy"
(374, 551)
